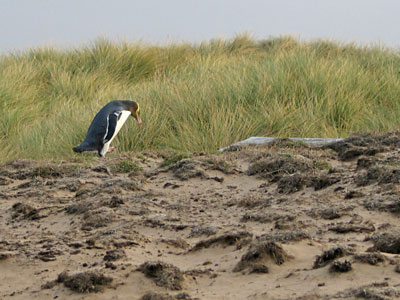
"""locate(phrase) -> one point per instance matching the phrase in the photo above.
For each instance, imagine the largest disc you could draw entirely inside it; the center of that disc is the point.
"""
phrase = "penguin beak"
(139, 120)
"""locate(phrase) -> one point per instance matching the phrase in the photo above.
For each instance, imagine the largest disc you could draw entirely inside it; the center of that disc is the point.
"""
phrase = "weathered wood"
(256, 140)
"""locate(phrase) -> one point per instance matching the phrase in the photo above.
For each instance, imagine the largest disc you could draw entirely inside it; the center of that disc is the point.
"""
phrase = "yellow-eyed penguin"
(106, 125)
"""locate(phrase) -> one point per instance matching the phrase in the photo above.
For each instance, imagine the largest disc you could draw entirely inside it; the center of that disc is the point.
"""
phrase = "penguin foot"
(111, 149)
(77, 149)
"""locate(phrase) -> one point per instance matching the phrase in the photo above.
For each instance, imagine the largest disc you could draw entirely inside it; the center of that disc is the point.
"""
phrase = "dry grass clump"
(227, 239)
(387, 242)
(85, 282)
(24, 211)
(163, 274)
(330, 255)
(187, 168)
(158, 296)
(258, 254)
(126, 166)
(173, 159)
(202, 230)
(273, 167)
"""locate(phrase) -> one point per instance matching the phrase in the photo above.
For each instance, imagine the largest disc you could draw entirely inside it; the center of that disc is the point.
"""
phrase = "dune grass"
(195, 97)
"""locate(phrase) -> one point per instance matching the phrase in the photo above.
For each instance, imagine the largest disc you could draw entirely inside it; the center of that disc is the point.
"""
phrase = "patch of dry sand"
(280, 222)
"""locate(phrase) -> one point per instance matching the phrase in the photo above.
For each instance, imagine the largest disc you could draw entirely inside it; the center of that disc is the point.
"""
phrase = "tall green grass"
(195, 97)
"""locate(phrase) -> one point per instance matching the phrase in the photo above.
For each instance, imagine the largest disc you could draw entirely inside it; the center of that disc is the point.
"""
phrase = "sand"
(284, 221)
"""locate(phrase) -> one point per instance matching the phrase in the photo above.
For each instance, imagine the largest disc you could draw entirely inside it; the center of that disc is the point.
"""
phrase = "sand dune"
(287, 221)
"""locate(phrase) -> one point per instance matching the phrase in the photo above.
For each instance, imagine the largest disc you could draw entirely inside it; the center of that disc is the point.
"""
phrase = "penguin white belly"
(124, 116)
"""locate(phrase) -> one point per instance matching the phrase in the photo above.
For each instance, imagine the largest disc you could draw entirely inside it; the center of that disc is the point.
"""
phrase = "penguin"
(106, 125)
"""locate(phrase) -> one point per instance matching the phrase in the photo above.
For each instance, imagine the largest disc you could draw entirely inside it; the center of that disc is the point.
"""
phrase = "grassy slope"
(195, 97)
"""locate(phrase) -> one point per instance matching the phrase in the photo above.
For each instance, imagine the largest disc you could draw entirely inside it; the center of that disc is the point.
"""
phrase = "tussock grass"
(195, 97)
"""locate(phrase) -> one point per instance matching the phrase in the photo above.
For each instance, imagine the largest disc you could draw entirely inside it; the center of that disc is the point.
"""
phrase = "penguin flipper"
(111, 126)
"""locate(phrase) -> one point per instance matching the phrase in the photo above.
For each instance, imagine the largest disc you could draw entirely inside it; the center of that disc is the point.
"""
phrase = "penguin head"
(134, 109)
